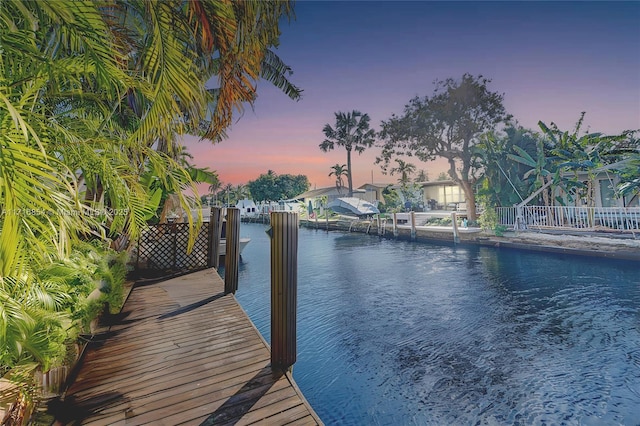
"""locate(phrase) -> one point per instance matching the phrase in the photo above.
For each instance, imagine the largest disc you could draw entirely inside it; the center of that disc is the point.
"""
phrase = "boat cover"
(352, 205)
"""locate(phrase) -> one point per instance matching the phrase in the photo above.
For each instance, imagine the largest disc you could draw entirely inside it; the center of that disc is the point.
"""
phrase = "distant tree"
(404, 169)
(292, 185)
(215, 187)
(442, 176)
(241, 192)
(228, 191)
(273, 187)
(352, 132)
(422, 176)
(446, 125)
(339, 170)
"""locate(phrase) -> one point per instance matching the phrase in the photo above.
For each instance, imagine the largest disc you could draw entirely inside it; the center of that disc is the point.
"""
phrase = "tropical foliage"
(502, 182)
(93, 99)
(271, 186)
(339, 170)
(421, 176)
(392, 200)
(442, 176)
(404, 169)
(446, 125)
(554, 166)
(569, 162)
(352, 132)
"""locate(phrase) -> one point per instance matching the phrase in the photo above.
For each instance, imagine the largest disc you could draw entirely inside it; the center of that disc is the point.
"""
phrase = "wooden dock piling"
(454, 223)
(395, 225)
(215, 234)
(413, 226)
(232, 255)
(284, 288)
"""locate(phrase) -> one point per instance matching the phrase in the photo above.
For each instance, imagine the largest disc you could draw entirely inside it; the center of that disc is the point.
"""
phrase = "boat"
(353, 205)
(222, 247)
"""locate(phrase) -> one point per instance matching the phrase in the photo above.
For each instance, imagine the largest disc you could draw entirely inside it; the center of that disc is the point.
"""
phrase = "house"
(442, 194)
(247, 208)
(602, 193)
(373, 192)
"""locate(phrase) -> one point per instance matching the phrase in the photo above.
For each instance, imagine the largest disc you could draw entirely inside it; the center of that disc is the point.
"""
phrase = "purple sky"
(552, 60)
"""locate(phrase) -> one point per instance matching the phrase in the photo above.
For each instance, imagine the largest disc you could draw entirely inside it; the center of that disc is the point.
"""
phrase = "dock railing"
(585, 218)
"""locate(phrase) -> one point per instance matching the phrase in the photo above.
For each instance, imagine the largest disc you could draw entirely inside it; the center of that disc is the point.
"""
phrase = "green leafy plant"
(489, 220)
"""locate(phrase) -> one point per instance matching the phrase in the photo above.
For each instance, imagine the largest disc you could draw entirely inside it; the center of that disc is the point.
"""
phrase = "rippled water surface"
(391, 332)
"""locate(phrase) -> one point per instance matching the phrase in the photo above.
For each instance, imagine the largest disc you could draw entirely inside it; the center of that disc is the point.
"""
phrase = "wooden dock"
(182, 352)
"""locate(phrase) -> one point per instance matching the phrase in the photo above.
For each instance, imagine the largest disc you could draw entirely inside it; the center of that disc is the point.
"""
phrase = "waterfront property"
(182, 352)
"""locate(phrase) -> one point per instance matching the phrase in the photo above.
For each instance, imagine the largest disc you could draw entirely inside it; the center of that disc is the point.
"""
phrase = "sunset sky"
(551, 60)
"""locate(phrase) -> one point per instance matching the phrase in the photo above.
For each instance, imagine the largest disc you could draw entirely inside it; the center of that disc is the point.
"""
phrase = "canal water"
(399, 333)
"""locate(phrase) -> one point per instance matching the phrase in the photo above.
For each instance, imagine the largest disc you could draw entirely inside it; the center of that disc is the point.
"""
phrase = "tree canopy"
(352, 132)
(447, 125)
(560, 165)
(502, 181)
(273, 187)
(339, 170)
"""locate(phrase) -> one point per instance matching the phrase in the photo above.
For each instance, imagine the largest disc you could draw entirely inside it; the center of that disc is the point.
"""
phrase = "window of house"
(607, 194)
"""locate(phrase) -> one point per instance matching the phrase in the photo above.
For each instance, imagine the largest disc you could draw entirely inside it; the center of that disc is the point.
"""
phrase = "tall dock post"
(215, 232)
(284, 288)
(232, 255)
(454, 222)
(395, 226)
(413, 226)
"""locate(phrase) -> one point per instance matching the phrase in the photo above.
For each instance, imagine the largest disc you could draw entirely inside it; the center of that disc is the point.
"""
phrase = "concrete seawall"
(599, 244)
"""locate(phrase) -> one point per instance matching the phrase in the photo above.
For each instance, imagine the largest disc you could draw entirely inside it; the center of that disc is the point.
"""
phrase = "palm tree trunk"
(350, 180)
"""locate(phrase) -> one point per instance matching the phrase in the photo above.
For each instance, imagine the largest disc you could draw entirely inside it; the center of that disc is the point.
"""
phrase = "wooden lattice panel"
(163, 247)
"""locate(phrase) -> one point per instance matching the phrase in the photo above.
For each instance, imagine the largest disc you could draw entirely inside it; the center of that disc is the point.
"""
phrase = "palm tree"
(241, 192)
(423, 176)
(92, 98)
(404, 169)
(339, 170)
(228, 190)
(214, 188)
(351, 132)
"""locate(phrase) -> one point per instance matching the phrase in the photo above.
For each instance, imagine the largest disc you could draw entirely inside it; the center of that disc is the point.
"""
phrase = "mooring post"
(378, 224)
(395, 226)
(413, 225)
(284, 288)
(215, 232)
(454, 221)
(232, 254)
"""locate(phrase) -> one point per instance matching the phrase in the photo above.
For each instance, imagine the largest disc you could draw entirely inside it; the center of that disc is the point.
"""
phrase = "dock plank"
(182, 352)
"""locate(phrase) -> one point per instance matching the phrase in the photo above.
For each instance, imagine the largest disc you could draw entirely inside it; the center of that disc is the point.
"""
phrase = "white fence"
(622, 218)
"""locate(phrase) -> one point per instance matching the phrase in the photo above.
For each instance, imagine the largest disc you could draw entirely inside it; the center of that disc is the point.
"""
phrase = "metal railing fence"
(620, 218)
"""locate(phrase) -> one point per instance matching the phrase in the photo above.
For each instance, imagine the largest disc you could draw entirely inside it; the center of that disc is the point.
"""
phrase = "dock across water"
(182, 352)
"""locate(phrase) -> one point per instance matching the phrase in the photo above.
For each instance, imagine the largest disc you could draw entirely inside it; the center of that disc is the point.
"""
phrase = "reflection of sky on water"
(398, 333)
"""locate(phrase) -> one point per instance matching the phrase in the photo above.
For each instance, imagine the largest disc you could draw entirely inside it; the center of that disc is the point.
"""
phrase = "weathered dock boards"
(183, 353)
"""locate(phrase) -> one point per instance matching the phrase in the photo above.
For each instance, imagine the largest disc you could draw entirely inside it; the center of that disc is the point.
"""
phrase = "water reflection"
(397, 333)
